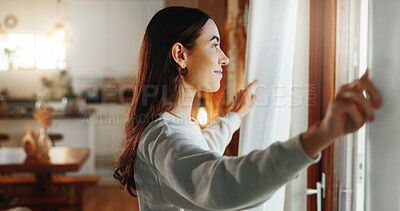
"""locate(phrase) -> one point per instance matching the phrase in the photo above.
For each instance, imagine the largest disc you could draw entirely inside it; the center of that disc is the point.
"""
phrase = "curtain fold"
(295, 194)
(270, 59)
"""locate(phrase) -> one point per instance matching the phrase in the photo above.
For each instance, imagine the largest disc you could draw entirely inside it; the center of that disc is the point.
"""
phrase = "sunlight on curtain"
(270, 57)
(295, 196)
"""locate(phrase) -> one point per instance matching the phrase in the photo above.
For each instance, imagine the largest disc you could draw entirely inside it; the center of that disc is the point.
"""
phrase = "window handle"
(320, 191)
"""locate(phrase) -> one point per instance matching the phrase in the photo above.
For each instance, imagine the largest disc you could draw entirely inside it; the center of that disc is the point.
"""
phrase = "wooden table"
(62, 159)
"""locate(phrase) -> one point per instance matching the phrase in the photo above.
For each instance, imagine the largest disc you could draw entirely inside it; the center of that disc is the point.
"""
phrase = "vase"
(44, 144)
(29, 145)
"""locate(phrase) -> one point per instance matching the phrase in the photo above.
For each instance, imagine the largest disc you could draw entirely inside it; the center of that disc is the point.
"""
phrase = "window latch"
(320, 191)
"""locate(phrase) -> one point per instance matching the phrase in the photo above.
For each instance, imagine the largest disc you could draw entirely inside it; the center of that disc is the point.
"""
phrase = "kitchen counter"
(57, 116)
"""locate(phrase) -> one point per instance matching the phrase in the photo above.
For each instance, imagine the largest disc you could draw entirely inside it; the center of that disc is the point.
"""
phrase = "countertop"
(57, 116)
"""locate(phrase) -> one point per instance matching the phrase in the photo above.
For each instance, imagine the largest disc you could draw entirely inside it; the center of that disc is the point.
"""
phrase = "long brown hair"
(157, 72)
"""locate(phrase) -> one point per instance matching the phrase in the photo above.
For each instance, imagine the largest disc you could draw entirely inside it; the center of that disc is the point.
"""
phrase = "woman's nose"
(224, 60)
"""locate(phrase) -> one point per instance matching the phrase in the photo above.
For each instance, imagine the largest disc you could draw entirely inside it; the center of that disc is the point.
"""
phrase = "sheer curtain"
(277, 55)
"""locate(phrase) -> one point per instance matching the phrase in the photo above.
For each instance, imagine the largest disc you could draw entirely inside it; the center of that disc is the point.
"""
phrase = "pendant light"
(2, 31)
(59, 32)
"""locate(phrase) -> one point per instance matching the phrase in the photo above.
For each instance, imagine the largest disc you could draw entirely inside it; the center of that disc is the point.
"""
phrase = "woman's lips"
(218, 72)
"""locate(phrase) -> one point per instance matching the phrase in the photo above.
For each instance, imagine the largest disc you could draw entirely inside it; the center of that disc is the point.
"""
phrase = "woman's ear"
(178, 54)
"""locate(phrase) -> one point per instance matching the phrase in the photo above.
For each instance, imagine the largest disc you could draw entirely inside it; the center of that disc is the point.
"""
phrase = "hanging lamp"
(2, 31)
(60, 33)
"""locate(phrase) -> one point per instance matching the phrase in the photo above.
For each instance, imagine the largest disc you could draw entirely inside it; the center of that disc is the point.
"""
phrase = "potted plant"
(11, 56)
(69, 98)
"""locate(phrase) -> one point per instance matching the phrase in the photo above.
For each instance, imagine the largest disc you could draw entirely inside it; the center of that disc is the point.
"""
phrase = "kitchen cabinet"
(107, 35)
(109, 126)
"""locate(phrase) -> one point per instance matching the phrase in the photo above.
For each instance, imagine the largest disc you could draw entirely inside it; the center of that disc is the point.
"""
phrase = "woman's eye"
(215, 45)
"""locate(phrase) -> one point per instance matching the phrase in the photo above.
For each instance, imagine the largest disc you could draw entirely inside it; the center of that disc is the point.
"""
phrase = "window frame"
(322, 87)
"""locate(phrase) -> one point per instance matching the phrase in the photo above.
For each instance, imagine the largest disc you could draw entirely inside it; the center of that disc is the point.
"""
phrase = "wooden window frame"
(322, 89)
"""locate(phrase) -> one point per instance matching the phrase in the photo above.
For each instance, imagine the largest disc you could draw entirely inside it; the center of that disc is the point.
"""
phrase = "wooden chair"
(55, 137)
(3, 138)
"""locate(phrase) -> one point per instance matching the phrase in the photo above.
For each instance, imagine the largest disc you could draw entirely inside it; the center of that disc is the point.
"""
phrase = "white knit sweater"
(179, 166)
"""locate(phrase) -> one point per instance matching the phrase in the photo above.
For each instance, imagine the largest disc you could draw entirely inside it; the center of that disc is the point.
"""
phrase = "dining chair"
(4, 138)
(55, 137)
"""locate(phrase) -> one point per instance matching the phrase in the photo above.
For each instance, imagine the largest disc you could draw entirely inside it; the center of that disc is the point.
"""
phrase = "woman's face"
(205, 61)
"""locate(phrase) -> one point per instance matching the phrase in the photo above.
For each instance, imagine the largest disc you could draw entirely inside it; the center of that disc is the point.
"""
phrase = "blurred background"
(77, 58)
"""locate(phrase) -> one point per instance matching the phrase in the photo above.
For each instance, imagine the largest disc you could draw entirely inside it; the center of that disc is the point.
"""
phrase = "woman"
(174, 165)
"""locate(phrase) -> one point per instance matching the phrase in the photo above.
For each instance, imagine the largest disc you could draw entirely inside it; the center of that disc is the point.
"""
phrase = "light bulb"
(202, 116)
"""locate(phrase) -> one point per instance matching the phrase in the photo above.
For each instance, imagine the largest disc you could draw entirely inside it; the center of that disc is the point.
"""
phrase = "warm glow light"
(24, 47)
(34, 51)
(50, 53)
(202, 116)
(59, 35)
(2, 31)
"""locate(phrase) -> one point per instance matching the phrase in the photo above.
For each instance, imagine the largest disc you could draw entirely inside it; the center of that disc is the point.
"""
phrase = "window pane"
(27, 51)
(23, 53)
(50, 53)
(350, 154)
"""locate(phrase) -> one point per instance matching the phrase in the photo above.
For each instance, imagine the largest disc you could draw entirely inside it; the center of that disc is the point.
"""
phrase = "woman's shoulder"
(163, 127)
(160, 131)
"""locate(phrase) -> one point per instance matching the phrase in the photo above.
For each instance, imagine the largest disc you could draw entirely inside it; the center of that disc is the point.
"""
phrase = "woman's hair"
(158, 81)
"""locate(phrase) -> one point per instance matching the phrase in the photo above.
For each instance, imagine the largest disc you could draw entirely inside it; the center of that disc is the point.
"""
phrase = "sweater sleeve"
(194, 178)
(219, 133)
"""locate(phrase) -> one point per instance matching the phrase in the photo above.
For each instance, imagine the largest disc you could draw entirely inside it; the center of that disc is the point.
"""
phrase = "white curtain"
(383, 145)
(277, 41)
(295, 196)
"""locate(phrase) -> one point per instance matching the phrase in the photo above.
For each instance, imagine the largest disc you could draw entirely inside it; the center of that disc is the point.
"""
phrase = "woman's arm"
(197, 179)
(346, 113)
(219, 133)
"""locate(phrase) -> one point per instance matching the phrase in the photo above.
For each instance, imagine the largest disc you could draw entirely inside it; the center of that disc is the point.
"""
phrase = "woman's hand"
(350, 110)
(347, 113)
(244, 100)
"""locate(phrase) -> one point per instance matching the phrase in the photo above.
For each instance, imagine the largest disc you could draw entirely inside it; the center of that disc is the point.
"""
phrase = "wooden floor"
(108, 198)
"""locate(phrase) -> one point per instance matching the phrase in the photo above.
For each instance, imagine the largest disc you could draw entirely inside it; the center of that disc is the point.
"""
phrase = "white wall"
(34, 16)
(23, 84)
(383, 145)
(106, 35)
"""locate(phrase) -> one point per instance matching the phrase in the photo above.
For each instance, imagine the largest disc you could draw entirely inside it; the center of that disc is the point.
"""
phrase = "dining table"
(61, 159)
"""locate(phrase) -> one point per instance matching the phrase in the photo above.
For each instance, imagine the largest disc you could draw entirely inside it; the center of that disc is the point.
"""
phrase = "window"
(352, 42)
(21, 51)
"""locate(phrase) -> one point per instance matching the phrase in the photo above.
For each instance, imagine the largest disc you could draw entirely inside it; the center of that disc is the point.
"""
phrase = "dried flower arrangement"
(37, 145)
(43, 116)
